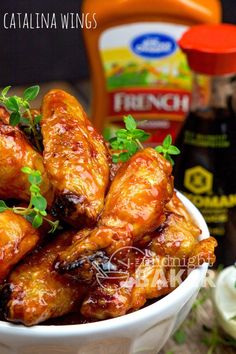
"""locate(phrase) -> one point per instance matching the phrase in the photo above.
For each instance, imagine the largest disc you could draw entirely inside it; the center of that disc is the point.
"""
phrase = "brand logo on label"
(198, 180)
(153, 45)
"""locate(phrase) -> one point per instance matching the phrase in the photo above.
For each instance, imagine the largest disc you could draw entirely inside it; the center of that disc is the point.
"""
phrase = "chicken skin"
(17, 238)
(4, 115)
(134, 206)
(35, 292)
(76, 159)
(15, 153)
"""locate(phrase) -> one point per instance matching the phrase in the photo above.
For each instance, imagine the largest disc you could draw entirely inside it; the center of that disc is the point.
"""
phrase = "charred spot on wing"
(65, 204)
(5, 294)
(84, 268)
(73, 209)
(64, 266)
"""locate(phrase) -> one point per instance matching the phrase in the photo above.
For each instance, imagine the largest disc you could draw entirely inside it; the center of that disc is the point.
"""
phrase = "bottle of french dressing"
(206, 169)
(136, 65)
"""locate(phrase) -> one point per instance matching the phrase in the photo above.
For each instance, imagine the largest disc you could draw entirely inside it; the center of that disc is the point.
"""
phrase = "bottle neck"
(212, 92)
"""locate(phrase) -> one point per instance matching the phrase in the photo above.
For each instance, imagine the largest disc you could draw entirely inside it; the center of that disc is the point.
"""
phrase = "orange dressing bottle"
(136, 65)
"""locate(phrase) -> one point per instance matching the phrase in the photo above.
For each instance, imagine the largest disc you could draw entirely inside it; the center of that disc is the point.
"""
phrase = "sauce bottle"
(206, 169)
(136, 65)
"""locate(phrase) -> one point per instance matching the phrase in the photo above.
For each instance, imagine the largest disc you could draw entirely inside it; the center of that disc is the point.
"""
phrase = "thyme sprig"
(129, 140)
(36, 211)
(20, 113)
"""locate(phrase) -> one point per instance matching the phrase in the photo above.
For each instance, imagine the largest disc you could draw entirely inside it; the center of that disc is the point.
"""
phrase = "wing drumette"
(35, 292)
(17, 238)
(134, 206)
(76, 158)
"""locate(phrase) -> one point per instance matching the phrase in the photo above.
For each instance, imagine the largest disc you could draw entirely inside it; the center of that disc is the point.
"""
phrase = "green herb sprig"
(167, 149)
(36, 211)
(20, 114)
(131, 138)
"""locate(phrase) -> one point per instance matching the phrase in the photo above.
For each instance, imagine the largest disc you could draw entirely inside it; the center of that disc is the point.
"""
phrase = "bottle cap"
(210, 49)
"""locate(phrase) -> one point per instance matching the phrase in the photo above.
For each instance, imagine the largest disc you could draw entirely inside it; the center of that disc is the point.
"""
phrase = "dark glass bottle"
(206, 169)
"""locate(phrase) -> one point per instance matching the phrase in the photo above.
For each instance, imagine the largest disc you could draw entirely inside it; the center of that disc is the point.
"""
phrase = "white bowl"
(142, 332)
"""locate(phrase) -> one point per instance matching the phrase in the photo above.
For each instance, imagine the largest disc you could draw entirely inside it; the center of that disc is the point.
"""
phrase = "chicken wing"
(203, 252)
(35, 292)
(76, 158)
(178, 237)
(113, 298)
(17, 238)
(15, 153)
(134, 206)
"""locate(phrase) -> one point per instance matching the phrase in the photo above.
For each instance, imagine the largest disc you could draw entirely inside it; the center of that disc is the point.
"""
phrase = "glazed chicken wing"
(35, 292)
(113, 298)
(178, 237)
(203, 252)
(15, 153)
(134, 206)
(17, 238)
(76, 158)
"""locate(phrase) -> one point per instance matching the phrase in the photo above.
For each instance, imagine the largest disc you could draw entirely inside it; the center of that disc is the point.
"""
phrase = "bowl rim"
(188, 287)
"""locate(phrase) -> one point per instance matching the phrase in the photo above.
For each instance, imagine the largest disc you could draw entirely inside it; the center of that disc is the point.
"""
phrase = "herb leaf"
(14, 118)
(124, 156)
(173, 150)
(3, 206)
(167, 141)
(31, 93)
(12, 104)
(115, 158)
(141, 135)
(39, 202)
(168, 149)
(37, 222)
(5, 90)
(27, 170)
(130, 123)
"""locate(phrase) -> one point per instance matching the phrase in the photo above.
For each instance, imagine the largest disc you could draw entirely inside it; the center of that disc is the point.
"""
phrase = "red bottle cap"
(210, 49)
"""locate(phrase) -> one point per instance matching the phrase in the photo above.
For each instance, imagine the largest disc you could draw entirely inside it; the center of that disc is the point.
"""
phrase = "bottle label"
(146, 74)
(198, 181)
(215, 141)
